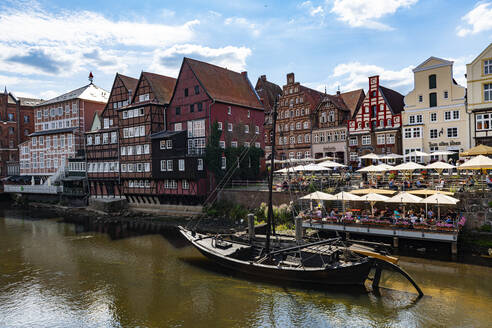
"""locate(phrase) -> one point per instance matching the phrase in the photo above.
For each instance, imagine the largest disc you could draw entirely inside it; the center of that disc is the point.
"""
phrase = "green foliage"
(486, 228)
(213, 152)
(227, 210)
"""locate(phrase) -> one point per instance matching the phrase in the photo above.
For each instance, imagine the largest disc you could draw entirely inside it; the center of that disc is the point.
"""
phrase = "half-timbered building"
(330, 124)
(206, 94)
(102, 141)
(144, 116)
(376, 126)
(59, 127)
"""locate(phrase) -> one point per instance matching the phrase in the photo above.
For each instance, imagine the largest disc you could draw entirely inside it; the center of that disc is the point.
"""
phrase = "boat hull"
(355, 274)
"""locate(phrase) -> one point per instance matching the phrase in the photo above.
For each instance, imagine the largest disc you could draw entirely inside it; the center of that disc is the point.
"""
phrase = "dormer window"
(143, 97)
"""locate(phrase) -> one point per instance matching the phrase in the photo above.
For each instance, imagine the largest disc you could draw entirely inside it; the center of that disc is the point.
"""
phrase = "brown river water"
(54, 274)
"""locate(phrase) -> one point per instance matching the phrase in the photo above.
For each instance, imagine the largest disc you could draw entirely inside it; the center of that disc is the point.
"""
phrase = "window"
(299, 139)
(114, 137)
(39, 114)
(412, 133)
(192, 108)
(178, 127)
(432, 81)
(421, 99)
(292, 140)
(257, 129)
(307, 138)
(163, 165)
(185, 185)
(452, 132)
(445, 95)
(381, 139)
(432, 99)
(106, 123)
(186, 92)
(178, 110)
(234, 144)
(169, 164)
(390, 139)
(229, 110)
(197, 89)
(181, 164)
(306, 125)
(487, 66)
(105, 138)
(353, 141)
(353, 157)
(366, 140)
(146, 149)
(169, 144)
(89, 140)
(483, 121)
(374, 110)
(200, 164)
(246, 144)
(11, 130)
(257, 144)
(246, 128)
(138, 149)
(143, 97)
(229, 127)
(487, 92)
(452, 115)
(219, 126)
(433, 133)
(222, 144)
(433, 117)
(200, 107)
(223, 162)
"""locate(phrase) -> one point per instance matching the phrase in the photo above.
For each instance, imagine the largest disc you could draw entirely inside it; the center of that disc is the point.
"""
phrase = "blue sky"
(49, 47)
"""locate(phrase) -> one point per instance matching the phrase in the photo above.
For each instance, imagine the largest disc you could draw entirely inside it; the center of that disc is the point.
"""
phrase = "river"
(54, 274)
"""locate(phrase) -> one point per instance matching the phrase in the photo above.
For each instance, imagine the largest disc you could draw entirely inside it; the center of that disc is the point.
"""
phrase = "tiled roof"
(162, 86)
(87, 92)
(267, 91)
(393, 99)
(129, 82)
(225, 85)
(314, 96)
(29, 101)
(353, 99)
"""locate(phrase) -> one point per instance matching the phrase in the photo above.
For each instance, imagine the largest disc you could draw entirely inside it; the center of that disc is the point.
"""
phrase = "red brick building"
(205, 94)
(268, 93)
(294, 120)
(376, 126)
(59, 127)
(103, 143)
(16, 123)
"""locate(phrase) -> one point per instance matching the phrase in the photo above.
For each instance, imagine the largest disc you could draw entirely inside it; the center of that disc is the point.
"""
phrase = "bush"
(486, 228)
(226, 209)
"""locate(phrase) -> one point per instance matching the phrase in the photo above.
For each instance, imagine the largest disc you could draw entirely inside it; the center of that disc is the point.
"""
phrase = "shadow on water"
(385, 296)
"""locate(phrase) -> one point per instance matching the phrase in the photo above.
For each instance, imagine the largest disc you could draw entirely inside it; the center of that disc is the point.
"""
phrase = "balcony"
(196, 152)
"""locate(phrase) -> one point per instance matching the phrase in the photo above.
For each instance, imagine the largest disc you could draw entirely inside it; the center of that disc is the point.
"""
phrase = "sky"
(48, 47)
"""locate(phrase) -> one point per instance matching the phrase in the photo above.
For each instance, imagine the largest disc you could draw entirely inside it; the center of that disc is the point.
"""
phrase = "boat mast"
(270, 181)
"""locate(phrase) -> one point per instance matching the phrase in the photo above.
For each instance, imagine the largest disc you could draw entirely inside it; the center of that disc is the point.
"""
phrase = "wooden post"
(454, 248)
(298, 221)
(251, 226)
(395, 242)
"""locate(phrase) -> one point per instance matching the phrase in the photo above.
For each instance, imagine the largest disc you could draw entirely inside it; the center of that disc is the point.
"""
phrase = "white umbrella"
(318, 195)
(285, 170)
(331, 164)
(439, 199)
(370, 156)
(391, 156)
(311, 167)
(477, 163)
(417, 153)
(440, 166)
(370, 168)
(408, 166)
(346, 196)
(372, 198)
(442, 152)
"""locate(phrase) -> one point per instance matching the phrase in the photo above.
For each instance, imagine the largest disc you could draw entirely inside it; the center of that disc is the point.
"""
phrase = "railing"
(30, 189)
(247, 185)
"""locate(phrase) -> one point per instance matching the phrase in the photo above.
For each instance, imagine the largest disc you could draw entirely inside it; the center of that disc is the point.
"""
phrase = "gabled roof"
(424, 66)
(224, 85)
(162, 86)
(481, 54)
(393, 99)
(129, 82)
(353, 100)
(314, 96)
(88, 92)
(267, 91)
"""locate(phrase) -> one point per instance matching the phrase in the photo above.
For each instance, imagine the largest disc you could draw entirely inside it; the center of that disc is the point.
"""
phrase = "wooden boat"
(304, 263)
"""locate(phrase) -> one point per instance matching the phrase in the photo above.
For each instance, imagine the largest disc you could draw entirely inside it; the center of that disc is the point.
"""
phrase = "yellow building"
(434, 116)
(479, 84)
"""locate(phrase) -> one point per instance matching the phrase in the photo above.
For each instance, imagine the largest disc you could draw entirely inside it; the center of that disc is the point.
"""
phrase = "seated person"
(489, 181)
(418, 184)
(396, 214)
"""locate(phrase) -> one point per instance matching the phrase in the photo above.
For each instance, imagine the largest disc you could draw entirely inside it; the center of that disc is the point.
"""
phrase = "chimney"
(290, 78)
(263, 78)
(244, 74)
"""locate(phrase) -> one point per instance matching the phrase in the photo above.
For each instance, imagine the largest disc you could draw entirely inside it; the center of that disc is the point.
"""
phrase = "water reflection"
(59, 275)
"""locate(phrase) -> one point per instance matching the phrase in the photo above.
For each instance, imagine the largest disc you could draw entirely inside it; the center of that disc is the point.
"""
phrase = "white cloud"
(479, 19)
(242, 22)
(354, 75)
(313, 10)
(168, 60)
(365, 13)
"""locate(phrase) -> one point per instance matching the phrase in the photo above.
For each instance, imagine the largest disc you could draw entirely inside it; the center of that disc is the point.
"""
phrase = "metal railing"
(36, 189)
(247, 185)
